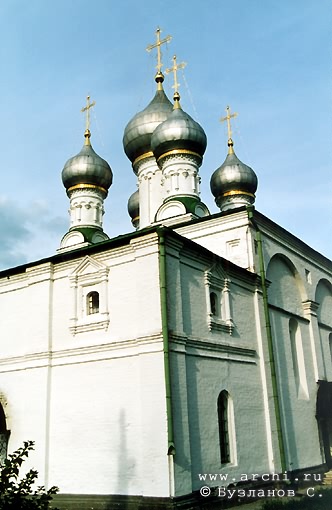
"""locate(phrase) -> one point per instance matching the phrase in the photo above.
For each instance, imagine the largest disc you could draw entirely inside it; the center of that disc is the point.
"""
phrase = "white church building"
(196, 344)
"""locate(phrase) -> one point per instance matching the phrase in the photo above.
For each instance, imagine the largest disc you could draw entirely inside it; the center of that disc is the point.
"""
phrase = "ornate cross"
(175, 68)
(87, 110)
(228, 118)
(157, 45)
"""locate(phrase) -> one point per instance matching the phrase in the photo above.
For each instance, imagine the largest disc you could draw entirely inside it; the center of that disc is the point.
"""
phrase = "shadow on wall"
(287, 387)
(126, 464)
(287, 293)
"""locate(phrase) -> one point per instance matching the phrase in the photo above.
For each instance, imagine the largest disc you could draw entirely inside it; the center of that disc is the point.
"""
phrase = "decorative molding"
(144, 161)
(184, 344)
(216, 324)
(92, 325)
(171, 209)
(180, 156)
(40, 273)
(216, 282)
(89, 275)
(88, 268)
(322, 325)
(310, 307)
(288, 313)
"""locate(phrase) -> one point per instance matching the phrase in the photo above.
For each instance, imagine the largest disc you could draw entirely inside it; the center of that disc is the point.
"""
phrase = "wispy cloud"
(27, 231)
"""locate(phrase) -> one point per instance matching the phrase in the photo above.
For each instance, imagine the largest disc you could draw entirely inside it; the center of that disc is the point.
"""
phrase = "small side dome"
(178, 132)
(133, 208)
(138, 132)
(87, 168)
(233, 177)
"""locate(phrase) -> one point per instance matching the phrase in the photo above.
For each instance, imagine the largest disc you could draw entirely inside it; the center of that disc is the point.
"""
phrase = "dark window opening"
(92, 302)
(223, 420)
(214, 303)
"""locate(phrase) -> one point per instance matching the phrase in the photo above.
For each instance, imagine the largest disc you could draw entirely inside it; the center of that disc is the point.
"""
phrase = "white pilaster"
(150, 190)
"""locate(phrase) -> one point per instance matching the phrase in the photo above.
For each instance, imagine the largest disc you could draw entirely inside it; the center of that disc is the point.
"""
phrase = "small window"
(92, 303)
(214, 303)
(218, 304)
(223, 419)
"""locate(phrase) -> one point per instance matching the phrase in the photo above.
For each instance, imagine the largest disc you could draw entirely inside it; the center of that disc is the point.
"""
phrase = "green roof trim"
(189, 202)
(88, 232)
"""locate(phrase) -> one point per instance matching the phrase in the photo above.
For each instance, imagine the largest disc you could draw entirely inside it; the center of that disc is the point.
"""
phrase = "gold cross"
(87, 110)
(228, 118)
(157, 45)
(175, 68)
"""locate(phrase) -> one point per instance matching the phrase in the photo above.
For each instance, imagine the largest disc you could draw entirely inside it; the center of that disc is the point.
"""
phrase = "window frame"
(219, 286)
(89, 276)
(226, 429)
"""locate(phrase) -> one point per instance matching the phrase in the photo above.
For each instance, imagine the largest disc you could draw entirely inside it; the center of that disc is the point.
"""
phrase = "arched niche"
(286, 289)
(323, 297)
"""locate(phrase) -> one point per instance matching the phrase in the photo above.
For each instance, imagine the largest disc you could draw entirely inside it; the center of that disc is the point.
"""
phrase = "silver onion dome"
(178, 132)
(233, 177)
(133, 208)
(138, 132)
(87, 168)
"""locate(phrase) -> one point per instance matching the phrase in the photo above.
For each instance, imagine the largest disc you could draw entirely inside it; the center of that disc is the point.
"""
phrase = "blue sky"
(269, 60)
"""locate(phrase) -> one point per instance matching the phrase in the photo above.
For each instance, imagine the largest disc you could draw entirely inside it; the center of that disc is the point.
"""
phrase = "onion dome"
(233, 178)
(178, 133)
(138, 132)
(133, 208)
(87, 168)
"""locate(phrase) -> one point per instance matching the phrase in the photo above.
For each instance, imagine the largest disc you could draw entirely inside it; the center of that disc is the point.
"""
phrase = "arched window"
(298, 359)
(214, 304)
(223, 422)
(92, 303)
(4, 436)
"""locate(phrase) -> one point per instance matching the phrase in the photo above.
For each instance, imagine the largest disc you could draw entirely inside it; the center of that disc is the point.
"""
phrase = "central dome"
(138, 132)
(178, 132)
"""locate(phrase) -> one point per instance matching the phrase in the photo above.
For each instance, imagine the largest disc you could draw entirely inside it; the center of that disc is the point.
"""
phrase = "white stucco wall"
(90, 390)
(300, 289)
(98, 413)
(206, 362)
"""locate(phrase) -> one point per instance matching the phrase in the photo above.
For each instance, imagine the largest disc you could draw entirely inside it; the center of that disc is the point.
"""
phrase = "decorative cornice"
(286, 239)
(180, 152)
(84, 186)
(237, 192)
(142, 157)
(328, 327)
(310, 307)
(40, 273)
(94, 353)
(288, 313)
(205, 345)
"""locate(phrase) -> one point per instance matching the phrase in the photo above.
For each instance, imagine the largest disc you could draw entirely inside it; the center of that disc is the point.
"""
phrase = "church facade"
(199, 344)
